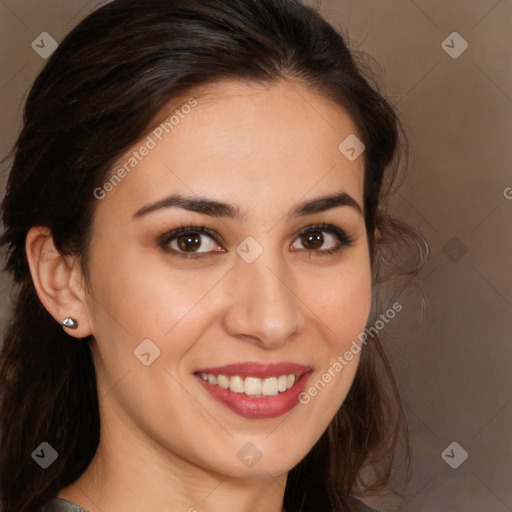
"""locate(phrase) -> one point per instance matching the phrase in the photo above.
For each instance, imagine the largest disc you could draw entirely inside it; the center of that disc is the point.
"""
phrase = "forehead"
(253, 144)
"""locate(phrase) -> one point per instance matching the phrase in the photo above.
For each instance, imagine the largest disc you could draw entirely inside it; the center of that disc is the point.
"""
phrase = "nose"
(263, 307)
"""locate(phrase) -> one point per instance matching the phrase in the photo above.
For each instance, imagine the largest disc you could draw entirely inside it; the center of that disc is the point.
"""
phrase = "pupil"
(191, 241)
(313, 240)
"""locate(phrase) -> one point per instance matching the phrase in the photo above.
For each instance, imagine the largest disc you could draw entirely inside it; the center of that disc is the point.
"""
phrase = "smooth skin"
(166, 444)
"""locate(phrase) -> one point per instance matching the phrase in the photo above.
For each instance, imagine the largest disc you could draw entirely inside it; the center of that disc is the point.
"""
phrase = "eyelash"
(166, 238)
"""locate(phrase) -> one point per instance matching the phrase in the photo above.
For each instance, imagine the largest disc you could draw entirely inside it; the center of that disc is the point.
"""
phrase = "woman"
(195, 217)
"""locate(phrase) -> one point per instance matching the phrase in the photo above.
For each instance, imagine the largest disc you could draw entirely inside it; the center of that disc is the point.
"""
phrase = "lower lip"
(258, 408)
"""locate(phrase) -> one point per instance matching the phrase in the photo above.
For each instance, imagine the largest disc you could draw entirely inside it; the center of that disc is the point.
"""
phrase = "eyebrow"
(218, 209)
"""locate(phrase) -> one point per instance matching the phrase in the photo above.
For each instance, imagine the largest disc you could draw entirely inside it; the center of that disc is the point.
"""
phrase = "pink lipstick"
(254, 390)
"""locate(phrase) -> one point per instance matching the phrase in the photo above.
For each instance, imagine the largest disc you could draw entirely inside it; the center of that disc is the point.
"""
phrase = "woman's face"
(253, 289)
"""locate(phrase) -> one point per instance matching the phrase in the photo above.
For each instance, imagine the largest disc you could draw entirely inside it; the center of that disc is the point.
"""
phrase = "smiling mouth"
(254, 390)
(254, 387)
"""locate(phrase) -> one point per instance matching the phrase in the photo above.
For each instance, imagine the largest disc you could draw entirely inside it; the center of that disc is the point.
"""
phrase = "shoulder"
(359, 506)
(62, 505)
(351, 503)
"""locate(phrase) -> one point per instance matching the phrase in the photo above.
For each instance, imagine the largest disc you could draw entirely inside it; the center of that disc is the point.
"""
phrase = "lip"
(252, 369)
(251, 407)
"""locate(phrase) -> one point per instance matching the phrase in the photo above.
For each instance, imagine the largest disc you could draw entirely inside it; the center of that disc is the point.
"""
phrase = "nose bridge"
(263, 305)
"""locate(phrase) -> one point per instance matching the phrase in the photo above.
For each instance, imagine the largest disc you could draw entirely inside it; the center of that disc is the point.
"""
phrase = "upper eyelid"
(214, 235)
(203, 230)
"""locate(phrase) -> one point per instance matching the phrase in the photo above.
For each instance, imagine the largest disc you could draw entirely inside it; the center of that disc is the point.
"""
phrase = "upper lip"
(254, 369)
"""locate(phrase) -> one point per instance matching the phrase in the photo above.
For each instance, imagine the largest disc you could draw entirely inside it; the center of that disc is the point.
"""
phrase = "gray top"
(62, 505)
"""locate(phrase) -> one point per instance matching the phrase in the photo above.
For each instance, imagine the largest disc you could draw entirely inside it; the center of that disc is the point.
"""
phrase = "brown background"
(453, 360)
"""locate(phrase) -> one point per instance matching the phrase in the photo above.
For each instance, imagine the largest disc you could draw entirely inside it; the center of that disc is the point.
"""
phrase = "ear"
(58, 281)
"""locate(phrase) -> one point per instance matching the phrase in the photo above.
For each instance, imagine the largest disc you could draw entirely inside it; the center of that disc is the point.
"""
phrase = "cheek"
(343, 300)
(140, 297)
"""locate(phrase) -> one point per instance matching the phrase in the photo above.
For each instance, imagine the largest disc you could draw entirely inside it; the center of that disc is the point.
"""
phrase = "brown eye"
(190, 242)
(323, 239)
(312, 240)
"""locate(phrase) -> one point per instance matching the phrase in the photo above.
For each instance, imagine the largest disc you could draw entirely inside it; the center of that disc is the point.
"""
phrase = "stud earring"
(69, 322)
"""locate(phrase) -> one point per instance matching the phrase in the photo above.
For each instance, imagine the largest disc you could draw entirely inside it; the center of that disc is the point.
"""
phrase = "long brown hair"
(98, 94)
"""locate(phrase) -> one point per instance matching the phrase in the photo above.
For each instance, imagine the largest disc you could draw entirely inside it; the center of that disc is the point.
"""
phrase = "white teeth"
(269, 386)
(281, 383)
(236, 384)
(223, 381)
(252, 386)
